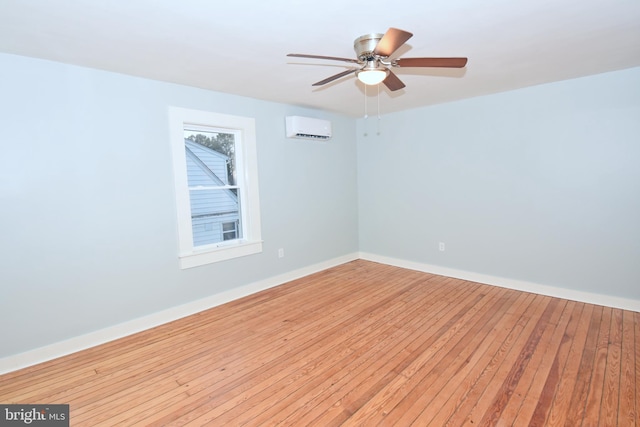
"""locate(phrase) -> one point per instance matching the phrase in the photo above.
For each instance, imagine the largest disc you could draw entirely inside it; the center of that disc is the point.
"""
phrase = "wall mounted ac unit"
(307, 128)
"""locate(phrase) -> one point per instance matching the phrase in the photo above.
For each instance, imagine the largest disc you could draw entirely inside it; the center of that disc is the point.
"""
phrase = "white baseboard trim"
(92, 339)
(520, 285)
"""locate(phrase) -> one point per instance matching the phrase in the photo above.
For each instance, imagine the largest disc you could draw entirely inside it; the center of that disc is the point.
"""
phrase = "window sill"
(209, 256)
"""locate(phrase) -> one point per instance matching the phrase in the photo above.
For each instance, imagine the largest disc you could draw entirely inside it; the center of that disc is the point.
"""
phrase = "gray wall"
(87, 210)
(540, 184)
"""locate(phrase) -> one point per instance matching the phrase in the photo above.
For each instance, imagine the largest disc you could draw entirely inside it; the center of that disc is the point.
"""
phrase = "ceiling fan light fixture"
(372, 76)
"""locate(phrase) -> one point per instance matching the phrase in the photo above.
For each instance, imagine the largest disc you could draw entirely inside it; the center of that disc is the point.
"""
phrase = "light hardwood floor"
(359, 344)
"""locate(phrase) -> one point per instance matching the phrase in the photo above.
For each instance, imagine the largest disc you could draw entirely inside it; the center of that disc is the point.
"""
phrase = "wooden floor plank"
(544, 400)
(560, 405)
(531, 386)
(627, 410)
(610, 401)
(575, 411)
(596, 384)
(359, 344)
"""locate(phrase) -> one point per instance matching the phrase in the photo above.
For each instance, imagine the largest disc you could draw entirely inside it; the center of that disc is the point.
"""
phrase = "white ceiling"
(240, 46)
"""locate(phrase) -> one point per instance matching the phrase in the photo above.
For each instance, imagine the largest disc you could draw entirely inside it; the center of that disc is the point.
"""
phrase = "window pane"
(216, 149)
(211, 179)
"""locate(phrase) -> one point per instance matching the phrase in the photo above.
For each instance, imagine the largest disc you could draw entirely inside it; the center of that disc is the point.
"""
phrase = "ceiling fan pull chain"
(365, 110)
(378, 123)
(365, 102)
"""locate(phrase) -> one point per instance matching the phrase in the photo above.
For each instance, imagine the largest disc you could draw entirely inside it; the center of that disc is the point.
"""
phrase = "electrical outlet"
(441, 246)
(281, 253)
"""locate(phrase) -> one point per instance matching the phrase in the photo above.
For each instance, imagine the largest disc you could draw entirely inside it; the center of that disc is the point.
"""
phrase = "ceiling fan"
(373, 52)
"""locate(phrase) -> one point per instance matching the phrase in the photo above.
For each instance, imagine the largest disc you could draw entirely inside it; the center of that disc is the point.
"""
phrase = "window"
(216, 185)
(230, 230)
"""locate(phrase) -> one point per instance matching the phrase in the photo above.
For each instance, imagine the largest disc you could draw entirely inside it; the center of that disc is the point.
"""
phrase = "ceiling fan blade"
(334, 77)
(391, 41)
(393, 82)
(333, 58)
(431, 62)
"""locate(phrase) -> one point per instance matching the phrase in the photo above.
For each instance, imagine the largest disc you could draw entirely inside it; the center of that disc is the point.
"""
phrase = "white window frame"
(247, 176)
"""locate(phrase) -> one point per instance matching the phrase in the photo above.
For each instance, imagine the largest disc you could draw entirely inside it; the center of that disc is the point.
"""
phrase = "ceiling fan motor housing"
(365, 45)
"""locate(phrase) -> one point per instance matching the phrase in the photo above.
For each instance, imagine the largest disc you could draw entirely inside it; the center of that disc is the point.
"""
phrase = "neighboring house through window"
(213, 194)
(215, 170)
